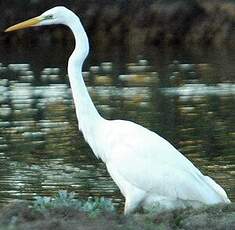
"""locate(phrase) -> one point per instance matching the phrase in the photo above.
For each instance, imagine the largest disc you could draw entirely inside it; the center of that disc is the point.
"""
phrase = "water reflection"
(42, 152)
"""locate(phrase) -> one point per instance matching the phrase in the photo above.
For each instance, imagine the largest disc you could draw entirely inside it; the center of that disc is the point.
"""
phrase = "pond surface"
(186, 97)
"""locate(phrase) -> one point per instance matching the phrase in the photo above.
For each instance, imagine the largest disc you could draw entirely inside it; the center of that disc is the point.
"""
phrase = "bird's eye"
(48, 17)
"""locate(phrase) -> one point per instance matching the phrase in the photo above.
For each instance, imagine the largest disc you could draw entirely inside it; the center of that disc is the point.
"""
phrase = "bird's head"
(56, 15)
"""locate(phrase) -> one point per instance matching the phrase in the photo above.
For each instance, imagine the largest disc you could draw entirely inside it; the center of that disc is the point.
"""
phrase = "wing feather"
(152, 164)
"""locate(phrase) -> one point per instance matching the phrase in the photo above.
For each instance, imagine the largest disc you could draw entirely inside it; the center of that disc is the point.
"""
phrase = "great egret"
(147, 169)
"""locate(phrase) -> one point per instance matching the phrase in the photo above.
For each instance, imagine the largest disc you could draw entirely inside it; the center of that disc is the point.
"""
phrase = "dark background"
(129, 23)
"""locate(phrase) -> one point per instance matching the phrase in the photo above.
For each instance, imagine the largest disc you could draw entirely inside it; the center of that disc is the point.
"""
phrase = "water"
(188, 98)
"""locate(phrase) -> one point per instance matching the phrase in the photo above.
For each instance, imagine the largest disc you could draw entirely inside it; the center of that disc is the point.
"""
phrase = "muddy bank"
(131, 23)
(21, 216)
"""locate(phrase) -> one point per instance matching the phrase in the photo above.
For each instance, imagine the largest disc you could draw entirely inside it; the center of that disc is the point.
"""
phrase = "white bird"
(147, 169)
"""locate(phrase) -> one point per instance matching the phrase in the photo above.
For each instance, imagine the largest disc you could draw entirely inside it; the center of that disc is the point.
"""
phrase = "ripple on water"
(42, 151)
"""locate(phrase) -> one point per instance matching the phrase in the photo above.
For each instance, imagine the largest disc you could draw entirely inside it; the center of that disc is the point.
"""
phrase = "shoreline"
(22, 216)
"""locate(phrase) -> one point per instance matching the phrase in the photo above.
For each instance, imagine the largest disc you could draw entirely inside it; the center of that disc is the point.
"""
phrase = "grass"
(65, 212)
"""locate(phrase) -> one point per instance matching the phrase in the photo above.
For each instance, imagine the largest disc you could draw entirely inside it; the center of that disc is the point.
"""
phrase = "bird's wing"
(152, 164)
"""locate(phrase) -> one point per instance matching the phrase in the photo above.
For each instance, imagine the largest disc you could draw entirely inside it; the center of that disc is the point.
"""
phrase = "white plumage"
(148, 170)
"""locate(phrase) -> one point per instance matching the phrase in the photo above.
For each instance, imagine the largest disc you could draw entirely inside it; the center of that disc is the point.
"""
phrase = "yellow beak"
(29, 23)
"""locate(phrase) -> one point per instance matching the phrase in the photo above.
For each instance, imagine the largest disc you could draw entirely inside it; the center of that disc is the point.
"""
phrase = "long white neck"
(88, 117)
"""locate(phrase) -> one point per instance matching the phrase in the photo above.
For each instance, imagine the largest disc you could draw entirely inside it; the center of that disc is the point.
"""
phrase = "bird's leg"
(132, 204)
(129, 207)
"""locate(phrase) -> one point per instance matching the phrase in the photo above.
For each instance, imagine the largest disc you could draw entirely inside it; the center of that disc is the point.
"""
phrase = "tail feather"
(220, 191)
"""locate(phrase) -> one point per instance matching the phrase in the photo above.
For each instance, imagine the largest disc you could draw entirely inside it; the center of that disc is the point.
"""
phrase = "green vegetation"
(63, 199)
(64, 212)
